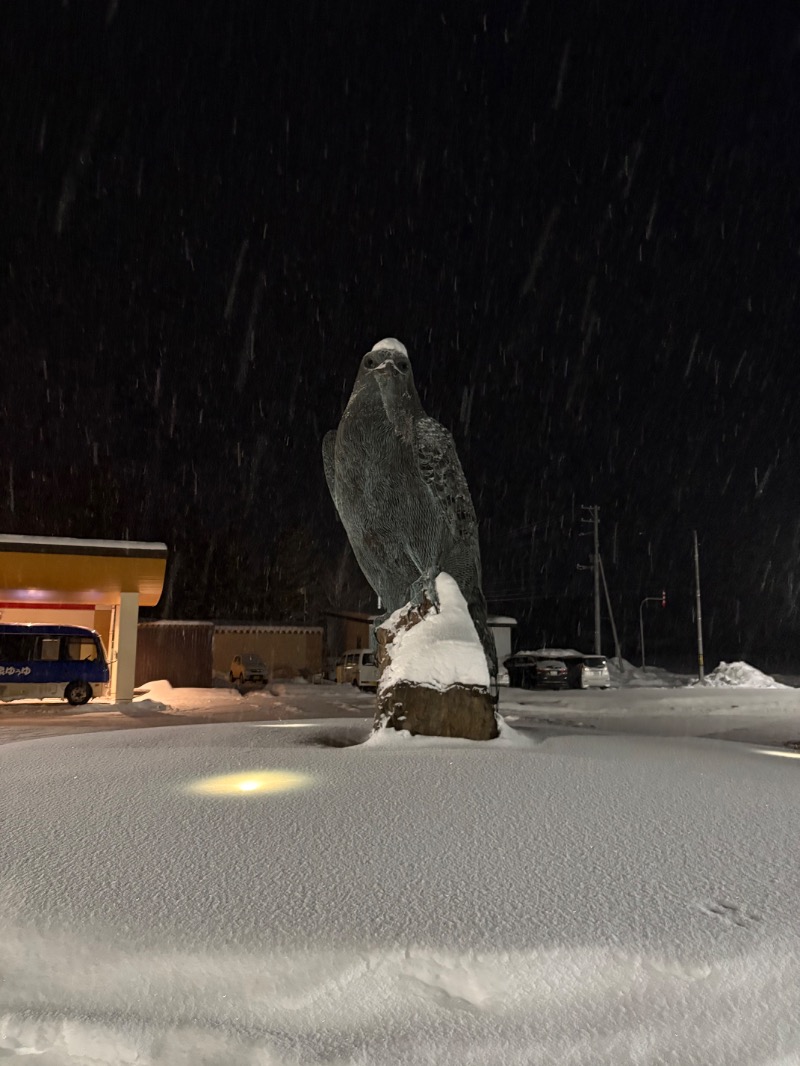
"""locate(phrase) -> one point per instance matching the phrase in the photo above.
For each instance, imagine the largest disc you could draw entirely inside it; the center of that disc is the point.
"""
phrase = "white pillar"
(123, 668)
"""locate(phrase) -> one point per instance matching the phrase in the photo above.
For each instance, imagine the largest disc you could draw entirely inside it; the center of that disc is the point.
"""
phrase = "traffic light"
(663, 597)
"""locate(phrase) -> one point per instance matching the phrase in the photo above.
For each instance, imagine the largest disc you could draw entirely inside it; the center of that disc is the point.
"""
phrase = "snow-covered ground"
(254, 894)
(766, 714)
(157, 697)
(758, 715)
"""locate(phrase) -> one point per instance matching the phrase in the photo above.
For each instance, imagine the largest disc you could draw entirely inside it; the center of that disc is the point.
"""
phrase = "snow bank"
(631, 676)
(589, 900)
(442, 650)
(740, 674)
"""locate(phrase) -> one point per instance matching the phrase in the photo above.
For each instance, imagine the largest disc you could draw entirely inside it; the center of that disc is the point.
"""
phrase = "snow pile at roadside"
(441, 650)
(588, 900)
(631, 676)
(154, 690)
(740, 674)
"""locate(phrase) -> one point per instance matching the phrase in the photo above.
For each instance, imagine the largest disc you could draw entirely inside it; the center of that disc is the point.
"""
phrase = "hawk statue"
(401, 494)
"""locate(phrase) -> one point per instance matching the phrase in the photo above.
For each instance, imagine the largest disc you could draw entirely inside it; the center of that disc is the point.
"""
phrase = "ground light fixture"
(250, 783)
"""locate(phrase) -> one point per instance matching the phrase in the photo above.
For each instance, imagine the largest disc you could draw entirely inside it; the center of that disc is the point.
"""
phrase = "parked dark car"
(521, 669)
(551, 673)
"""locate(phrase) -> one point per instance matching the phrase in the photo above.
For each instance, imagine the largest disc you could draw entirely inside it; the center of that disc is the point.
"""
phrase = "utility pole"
(594, 511)
(662, 599)
(698, 608)
(617, 650)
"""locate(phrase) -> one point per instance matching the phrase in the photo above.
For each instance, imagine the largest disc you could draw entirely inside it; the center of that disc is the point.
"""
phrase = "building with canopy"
(96, 583)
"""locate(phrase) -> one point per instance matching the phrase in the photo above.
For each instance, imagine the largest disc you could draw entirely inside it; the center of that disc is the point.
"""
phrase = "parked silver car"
(594, 672)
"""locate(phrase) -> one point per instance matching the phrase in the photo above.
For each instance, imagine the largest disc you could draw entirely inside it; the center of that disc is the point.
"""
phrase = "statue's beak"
(387, 368)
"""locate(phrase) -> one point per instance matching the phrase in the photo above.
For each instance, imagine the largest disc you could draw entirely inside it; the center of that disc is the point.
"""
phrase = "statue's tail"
(477, 610)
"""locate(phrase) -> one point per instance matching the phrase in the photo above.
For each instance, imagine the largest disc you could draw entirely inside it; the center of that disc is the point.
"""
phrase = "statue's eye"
(369, 362)
(402, 366)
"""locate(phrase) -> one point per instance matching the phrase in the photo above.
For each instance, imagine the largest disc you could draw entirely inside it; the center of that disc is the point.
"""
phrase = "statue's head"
(387, 366)
(385, 372)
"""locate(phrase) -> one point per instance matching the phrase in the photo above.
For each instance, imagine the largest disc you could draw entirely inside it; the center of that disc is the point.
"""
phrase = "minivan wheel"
(78, 692)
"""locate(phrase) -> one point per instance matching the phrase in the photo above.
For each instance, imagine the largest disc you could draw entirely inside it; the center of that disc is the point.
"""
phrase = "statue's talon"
(424, 589)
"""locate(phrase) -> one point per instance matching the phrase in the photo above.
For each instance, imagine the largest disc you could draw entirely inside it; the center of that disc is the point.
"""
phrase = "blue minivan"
(40, 660)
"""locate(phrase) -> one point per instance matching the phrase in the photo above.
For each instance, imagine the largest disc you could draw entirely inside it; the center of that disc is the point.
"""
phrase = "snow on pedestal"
(434, 677)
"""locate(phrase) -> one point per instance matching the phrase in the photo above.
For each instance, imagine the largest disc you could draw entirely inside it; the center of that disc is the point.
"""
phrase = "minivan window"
(595, 661)
(77, 650)
(50, 649)
(17, 648)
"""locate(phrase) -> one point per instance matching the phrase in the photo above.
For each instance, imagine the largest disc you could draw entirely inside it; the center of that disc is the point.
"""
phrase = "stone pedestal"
(406, 702)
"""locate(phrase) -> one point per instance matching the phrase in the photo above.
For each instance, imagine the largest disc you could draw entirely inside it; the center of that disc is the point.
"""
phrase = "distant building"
(345, 631)
(501, 628)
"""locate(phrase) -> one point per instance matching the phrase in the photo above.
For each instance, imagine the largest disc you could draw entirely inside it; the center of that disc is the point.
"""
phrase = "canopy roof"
(55, 569)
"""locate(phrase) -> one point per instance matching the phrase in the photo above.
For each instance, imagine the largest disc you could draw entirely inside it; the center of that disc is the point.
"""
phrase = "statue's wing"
(328, 448)
(441, 471)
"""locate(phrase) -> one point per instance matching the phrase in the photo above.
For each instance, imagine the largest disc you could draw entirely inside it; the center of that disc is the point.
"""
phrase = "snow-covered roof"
(246, 627)
(553, 653)
(79, 546)
(353, 616)
(500, 620)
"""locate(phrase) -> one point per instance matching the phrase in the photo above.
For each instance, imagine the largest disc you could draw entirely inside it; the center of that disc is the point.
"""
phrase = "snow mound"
(740, 674)
(161, 691)
(631, 676)
(442, 650)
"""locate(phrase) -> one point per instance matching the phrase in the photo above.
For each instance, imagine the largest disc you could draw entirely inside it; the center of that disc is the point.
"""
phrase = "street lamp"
(662, 599)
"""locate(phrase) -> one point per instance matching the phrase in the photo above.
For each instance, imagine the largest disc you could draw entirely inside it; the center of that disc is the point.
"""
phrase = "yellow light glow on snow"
(285, 725)
(780, 754)
(250, 783)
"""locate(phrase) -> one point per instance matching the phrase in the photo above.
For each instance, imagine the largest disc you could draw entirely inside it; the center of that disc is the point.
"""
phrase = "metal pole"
(647, 599)
(699, 609)
(596, 518)
(617, 650)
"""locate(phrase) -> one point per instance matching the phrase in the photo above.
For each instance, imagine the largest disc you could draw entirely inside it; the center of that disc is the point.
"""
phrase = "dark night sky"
(582, 219)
